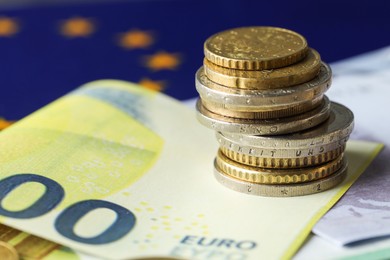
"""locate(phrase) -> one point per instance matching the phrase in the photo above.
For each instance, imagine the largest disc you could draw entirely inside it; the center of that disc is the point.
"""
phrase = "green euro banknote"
(118, 172)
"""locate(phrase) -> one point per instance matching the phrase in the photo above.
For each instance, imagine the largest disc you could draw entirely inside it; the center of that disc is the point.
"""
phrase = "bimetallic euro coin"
(263, 127)
(266, 99)
(285, 111)
(336, 129)
(310, 159)
(278, 151)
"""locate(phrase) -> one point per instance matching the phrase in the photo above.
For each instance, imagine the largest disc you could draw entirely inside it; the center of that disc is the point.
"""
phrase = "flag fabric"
(48, 50)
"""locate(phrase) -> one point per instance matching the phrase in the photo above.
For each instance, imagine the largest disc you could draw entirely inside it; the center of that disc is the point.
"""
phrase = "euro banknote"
(117, 171)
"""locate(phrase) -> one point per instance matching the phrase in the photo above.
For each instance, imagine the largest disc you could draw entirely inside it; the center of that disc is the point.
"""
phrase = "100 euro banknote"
(117, 171)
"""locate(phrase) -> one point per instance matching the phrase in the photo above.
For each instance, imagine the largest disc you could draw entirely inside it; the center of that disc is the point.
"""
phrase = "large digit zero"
(67, 220)
(49, 200)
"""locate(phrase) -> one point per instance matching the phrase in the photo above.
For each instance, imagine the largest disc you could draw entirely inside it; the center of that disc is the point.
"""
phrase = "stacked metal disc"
(262, 89)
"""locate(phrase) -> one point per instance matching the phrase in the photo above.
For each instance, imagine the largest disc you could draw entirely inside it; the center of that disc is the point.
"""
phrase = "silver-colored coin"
(263, 127)
(255, 100)
(278, 151)
(277, 112)
(281, 190)
(284, 162)
(333, 132)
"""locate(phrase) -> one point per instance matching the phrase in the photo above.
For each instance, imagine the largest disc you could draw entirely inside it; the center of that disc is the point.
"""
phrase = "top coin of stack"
(258, 87)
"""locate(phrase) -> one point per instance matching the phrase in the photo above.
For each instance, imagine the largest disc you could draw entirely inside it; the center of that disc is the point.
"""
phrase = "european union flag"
(46, 51)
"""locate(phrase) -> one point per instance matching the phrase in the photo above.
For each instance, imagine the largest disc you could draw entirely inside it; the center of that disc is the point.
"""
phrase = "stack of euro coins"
(262, 89)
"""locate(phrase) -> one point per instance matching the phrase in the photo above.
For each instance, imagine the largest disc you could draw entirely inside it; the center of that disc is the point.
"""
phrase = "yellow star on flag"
(136, 39)
(5, 123)
(77, 27)
(162, 61)
(8, 26)
(152, 84)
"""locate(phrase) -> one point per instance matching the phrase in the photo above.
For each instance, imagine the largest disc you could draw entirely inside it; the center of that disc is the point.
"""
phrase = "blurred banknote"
(116, 171)
(364, 212)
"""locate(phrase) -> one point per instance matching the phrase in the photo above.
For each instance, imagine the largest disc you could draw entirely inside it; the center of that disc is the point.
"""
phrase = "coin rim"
(245, 99)
(284, 162)
(296, 140)
(262, 175)
(280, 112)
(279, 152)
(266, 126)
(305, 70)
(11, 249)
(275, 190)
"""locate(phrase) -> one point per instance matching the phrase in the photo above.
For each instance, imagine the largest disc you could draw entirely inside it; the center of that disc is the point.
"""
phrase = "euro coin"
(336, 129)
(263, 127)
(8, 252)
(283, 111)
(281, 190)
(266, 99)
(255, 48)
(270, 161)
(276, 176)
(295, 74)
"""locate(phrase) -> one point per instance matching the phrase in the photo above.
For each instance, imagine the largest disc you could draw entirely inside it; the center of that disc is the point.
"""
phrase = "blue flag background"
(46, 51)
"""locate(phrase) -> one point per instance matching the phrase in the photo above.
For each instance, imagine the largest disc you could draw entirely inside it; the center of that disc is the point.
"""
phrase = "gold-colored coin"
(263, 126)
(8, 252)
(255, 48)
(301, 72)
(280, 163)
(28, 246)
(276, 176)
(286, 111)
(281, 190)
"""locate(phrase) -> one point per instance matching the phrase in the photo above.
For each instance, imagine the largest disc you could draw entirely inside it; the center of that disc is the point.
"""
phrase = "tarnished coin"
(279, 112)
(301, 72)
(281, 190)
(252, 100)
(265, 126)
(276, 176)
(8, 252)
(310, 160)
(255, 48)
(336, 129)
